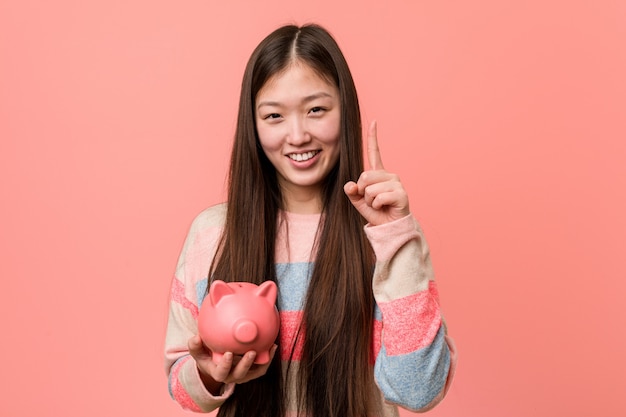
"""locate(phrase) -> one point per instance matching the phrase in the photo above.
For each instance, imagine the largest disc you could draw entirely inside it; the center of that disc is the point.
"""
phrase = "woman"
(348, 257)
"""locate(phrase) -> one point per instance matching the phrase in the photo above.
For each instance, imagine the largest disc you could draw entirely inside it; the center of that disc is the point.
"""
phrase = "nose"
(298, 133)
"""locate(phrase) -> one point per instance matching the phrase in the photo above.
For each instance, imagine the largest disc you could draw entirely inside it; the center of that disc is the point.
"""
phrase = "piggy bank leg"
(262, 357)
(216, 357)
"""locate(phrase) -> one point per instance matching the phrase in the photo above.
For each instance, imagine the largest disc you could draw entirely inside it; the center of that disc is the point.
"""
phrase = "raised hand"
(230, 368)
(378, 194)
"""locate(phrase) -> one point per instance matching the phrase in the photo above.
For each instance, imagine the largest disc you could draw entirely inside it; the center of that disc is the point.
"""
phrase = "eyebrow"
(306, 99)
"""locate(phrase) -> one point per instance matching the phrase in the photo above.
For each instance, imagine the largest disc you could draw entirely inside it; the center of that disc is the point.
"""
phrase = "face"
(298, 123)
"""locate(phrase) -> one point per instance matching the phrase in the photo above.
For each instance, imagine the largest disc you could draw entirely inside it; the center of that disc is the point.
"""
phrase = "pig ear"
(268, 291)
(218, 290)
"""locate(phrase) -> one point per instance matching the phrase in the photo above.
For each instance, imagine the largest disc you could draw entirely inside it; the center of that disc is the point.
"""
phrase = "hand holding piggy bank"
(239, 317)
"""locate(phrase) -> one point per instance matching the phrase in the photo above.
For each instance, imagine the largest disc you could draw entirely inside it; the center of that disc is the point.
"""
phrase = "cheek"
(268, 139)
(329, 131)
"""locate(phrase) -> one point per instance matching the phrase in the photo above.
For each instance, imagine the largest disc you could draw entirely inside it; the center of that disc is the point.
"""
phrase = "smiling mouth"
(301, 157)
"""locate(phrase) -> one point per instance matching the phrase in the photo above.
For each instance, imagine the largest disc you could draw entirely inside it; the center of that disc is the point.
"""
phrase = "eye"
(317, 110)
(272, 116)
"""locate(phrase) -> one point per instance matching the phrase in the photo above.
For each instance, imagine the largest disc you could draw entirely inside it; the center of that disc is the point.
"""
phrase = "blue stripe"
(378, 315)
(415, 379)
(201, 287)
(293, 282)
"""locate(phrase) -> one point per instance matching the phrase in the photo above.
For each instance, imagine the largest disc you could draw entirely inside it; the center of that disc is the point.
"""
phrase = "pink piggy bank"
(239, 317)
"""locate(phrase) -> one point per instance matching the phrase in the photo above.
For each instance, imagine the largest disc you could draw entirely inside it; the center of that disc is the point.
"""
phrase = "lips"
(302, 157)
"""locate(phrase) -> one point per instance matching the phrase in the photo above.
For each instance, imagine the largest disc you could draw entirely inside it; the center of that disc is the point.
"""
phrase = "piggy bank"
(239, 317)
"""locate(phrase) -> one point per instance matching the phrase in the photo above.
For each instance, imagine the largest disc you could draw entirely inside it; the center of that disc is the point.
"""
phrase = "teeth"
(302, 156)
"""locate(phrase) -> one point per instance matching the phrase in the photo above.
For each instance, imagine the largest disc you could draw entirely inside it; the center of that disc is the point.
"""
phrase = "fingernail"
(228, 356)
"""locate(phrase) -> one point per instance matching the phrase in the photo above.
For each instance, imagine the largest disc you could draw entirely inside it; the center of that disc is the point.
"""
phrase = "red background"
(505, 120)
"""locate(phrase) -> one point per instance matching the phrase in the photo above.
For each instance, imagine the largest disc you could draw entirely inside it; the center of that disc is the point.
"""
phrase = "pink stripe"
(376, 339)
(178, 296)
(289, 324)
(411, 323)
(179, 393)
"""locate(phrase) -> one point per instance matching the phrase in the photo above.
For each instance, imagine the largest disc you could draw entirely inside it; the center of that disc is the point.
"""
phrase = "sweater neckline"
(300, 217)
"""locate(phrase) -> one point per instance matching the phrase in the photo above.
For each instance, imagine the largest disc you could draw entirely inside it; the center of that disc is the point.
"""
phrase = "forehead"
(298, 79)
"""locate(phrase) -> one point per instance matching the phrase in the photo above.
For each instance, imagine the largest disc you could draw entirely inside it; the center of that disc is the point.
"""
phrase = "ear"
(218, 290)
(268, 291)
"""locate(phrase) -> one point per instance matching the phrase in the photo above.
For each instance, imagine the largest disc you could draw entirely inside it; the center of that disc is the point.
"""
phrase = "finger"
(196, 347)
(385, 199)
(194, 343)
(256, 371)
(351, 189)
(222, 369)
(262, 369)
(373, 152)
(244, 365)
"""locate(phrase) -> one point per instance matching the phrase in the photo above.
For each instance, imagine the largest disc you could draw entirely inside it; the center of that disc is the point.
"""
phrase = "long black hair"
(334, 376)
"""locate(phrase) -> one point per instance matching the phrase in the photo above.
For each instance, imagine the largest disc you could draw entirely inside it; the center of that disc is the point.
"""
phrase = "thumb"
(196, 346)
(195, 342)
(352, 191)
(357, 200)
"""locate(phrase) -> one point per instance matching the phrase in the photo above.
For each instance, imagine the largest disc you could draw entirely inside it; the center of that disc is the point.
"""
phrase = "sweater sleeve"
(415, 359)
(186, 294)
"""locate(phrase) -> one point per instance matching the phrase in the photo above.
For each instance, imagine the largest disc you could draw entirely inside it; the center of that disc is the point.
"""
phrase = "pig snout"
(245, 331)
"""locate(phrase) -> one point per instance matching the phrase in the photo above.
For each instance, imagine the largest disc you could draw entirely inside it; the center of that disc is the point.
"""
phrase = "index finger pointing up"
(373, 153)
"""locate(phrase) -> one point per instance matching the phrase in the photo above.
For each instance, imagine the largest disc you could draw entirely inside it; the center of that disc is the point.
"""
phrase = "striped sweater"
(415, 359)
